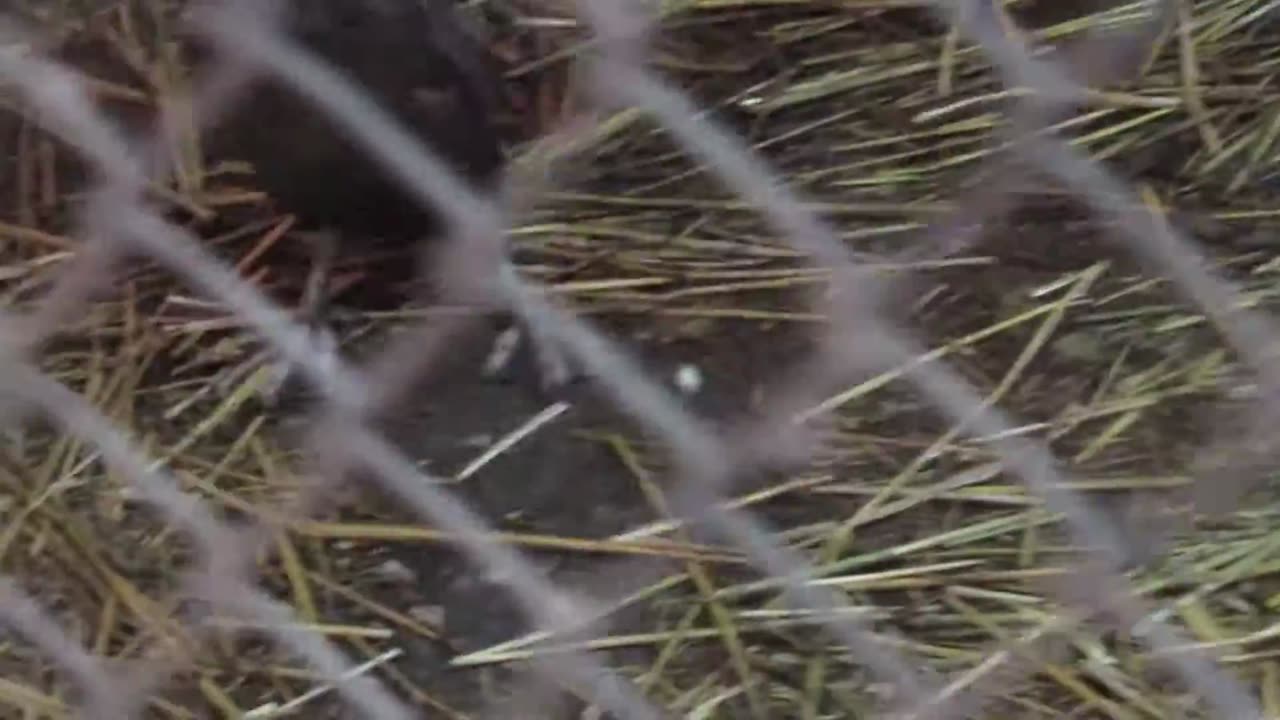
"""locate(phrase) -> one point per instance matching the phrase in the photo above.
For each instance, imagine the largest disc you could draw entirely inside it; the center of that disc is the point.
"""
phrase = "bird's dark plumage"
(417, 61)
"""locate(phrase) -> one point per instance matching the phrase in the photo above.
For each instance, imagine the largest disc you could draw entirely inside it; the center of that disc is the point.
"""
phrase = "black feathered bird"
(420, 63)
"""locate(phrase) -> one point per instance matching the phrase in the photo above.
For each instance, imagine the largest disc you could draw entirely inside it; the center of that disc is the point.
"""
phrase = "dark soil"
(563, 481)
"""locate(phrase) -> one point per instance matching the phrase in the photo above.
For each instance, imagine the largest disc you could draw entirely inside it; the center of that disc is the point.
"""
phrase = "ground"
(1089, 351)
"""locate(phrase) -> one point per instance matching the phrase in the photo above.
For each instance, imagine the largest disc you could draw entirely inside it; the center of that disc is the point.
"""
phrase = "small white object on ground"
(688, 378)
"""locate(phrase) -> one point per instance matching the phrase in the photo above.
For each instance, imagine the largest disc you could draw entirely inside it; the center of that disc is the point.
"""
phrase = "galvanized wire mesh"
(859, 340)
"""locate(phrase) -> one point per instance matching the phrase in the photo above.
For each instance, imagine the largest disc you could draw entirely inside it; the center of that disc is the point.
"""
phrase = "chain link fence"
(859, 341)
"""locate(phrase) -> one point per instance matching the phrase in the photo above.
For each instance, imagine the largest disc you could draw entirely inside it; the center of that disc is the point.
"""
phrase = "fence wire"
(344, 447)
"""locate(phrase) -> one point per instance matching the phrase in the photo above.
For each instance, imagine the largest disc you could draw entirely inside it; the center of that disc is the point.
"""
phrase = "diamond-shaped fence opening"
(845, 517)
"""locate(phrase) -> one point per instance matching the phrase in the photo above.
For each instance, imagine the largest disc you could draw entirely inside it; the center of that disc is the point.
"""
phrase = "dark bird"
(420, 63)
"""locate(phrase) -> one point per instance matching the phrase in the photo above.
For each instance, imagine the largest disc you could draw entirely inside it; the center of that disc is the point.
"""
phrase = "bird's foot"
(519, 351)
(286, 383)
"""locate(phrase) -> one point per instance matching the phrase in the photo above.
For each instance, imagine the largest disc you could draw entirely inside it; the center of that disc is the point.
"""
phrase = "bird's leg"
(313, 309)
(551, 360)
(315, 294)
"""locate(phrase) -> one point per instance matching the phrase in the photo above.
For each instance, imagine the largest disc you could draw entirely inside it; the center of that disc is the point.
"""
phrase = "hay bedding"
(649, 246)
